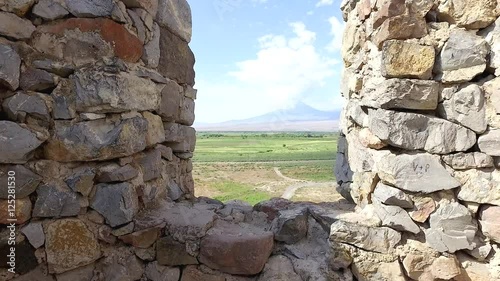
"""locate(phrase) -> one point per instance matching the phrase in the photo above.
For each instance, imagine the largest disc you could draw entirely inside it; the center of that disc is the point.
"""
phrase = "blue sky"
(256, 56)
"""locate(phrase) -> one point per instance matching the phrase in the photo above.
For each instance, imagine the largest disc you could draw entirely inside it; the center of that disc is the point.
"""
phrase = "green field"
(265, 147)
(236, 166)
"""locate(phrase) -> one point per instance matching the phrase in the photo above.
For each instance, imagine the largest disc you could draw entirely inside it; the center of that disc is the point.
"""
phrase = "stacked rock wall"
(97, 101)
(421, 139)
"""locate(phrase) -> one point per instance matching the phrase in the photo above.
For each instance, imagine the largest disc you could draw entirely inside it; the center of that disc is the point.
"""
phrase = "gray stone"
(290, 226)
(176, 16)
(490, 225)
(415, 173)
(465, 161)
(279, 268)
(90, 8)
(492, 36)
(17, 143)
(166, 152)
(489, 143)
(186, 140)
(186, 114)
(101, 92)
(33, 79)
(151, 54)
(479, 186)
(400, 93)
(451, 229)
(172, 253)
(96, 140)
(395, 217)
(151, 6)
(467, 108)
(10, 64)
(18, 7)
(376, 239)
(49, 10)
(64, 101)
(463, 57)
(15, 27)
(157, 272)
(151, 74)
(176, 58)
(26, 181)
(34, 232)
(116, 174)
(392, 196)
(156, 131)
(150, 164)
(420, 132)
(120, 264)
(82, 181)
(118, 203)
(91, 116)
(138, 24)
(170, 104)
(186, 222)
(56, 200)
(21, 104)
(58, 68)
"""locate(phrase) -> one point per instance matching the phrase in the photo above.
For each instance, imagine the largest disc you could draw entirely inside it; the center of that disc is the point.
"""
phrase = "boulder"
(236, 249)
(90, 8)
(101, 139)
(49, 10)
(471, 14)
(451, 229)
(401, 59)
(117, 174)
(462, 57)
(20, 105)
(376, 239)
(176, 16)
(420, 172)
(103, 92)
(389, 195)
(69, 244)
(15, 27)
(465, 161)
(176, 58)
(118, 203)
(156, 272)
(467, 108)
(395, 217)
(56, 200)
(290, 226)
(479, 186)
(400, 93)
(172, 253)
(489, 143)
(490, 225)
(34, 232)
(18, 7)
(81, 41)
(10, 64)
(26, 181)
(420, 132)
(18, 143)
(81, 180)
(142, 239)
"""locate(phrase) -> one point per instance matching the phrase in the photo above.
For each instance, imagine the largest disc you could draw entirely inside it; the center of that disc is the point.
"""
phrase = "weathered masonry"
(421, 147)
(97, 103)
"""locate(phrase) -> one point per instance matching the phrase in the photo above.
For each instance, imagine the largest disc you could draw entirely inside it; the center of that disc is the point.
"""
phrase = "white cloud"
(310, 13)
(324, 3)
(286, 69)
(337, 31)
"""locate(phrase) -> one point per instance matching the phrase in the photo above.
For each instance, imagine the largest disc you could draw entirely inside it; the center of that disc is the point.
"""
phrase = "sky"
(257, 56)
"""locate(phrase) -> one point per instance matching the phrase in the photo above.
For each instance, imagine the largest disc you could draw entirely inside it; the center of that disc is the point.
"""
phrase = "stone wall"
(97, 101)
(421, 139)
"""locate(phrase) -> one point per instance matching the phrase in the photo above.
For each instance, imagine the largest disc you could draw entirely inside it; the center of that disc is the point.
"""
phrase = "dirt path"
(298, 184)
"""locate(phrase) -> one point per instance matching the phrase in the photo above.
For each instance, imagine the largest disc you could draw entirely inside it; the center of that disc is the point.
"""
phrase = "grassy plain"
(240, 166)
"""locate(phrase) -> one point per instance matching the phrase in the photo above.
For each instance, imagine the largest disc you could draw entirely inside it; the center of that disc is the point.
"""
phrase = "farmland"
(257, 166)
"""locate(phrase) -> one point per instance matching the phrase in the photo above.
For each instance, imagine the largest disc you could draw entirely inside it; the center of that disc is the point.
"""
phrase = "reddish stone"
(389, 8)
(125, 45)
(272, 207)
(236, 249)
(22, 211)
